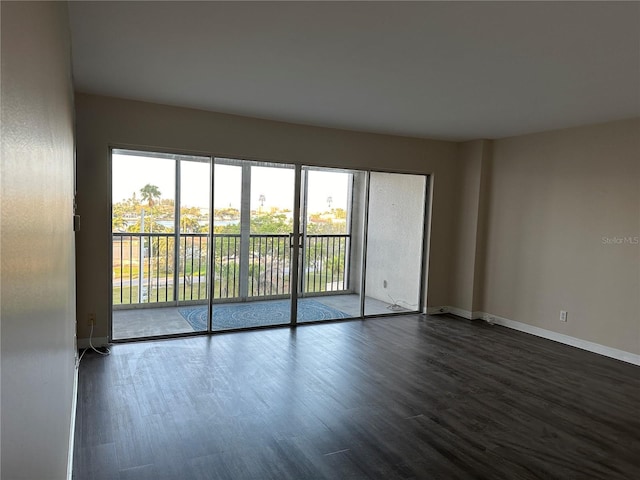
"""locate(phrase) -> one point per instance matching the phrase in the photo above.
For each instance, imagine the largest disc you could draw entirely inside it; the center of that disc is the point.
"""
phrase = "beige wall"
(38, 288)
(469, 225)
(103, 121)
(553, 201)
(513, 222)
(464, 236)
(481, 226)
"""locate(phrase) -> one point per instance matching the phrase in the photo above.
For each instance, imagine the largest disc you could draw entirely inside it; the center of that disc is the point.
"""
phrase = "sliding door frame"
(297, 248)
(424, 248)
(174, 301)
(365, 238)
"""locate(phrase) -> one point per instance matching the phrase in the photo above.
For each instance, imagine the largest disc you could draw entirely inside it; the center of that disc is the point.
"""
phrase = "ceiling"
(450, 70)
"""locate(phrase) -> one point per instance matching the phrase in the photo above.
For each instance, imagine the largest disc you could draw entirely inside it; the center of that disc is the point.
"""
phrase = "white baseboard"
(568, 340)
(459, 312)
(72, 432)
(97, 342)
(540, 332)
(465, 313)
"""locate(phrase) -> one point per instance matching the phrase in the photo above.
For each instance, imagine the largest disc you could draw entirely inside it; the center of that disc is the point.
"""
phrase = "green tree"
(189, 224)
(340, 213)
(270, 223)
(149, 226)
(150, 194)
(133, 201)
(118, 224)
(228, 213)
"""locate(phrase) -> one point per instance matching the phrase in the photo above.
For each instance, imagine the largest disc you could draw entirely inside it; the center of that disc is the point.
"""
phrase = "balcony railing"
(152, 268)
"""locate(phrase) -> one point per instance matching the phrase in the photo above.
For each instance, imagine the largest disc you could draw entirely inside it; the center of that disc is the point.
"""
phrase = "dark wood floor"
(401, 397)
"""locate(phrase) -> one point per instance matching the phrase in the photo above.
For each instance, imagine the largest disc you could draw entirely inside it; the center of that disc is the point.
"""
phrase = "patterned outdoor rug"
(253, 314)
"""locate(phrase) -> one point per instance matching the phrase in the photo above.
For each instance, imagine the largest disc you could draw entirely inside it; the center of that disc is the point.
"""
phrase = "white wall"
(37, 280)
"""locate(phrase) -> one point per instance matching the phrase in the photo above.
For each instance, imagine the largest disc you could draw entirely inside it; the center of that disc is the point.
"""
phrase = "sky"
(131, 173)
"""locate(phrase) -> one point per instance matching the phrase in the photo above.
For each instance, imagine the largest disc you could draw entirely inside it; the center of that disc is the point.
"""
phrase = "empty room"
(320, 240)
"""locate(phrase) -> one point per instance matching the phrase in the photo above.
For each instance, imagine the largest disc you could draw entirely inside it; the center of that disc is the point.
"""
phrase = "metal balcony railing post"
(326, 259)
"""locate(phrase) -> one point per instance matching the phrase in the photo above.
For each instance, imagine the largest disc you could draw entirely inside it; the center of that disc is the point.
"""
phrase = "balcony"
(203, 242)
(161, 279)
(268, 267)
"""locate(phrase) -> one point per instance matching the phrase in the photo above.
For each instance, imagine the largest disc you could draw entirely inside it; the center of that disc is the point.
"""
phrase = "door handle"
(292, 240)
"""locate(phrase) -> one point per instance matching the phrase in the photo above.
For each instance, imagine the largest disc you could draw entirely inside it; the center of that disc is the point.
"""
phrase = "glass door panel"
(193, 277)
(227, 205)
(271, 222)
(395, 230)
(143, 195)
(150, 272)
(254, 205)
(325, 291)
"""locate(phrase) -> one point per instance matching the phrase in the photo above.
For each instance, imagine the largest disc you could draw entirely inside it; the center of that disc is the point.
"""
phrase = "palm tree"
(150, 194)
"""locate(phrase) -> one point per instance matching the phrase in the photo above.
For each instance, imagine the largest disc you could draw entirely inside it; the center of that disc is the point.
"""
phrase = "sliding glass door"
(202, 244)
(160, 243)
(254, 227)
(192, 278)
(328, 253)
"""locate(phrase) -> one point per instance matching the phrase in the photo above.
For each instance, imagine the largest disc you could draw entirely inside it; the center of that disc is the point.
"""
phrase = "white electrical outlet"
(384, 284)
(563, 315)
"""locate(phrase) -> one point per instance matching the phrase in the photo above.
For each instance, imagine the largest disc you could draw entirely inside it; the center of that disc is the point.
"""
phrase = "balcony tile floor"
(149, 322)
